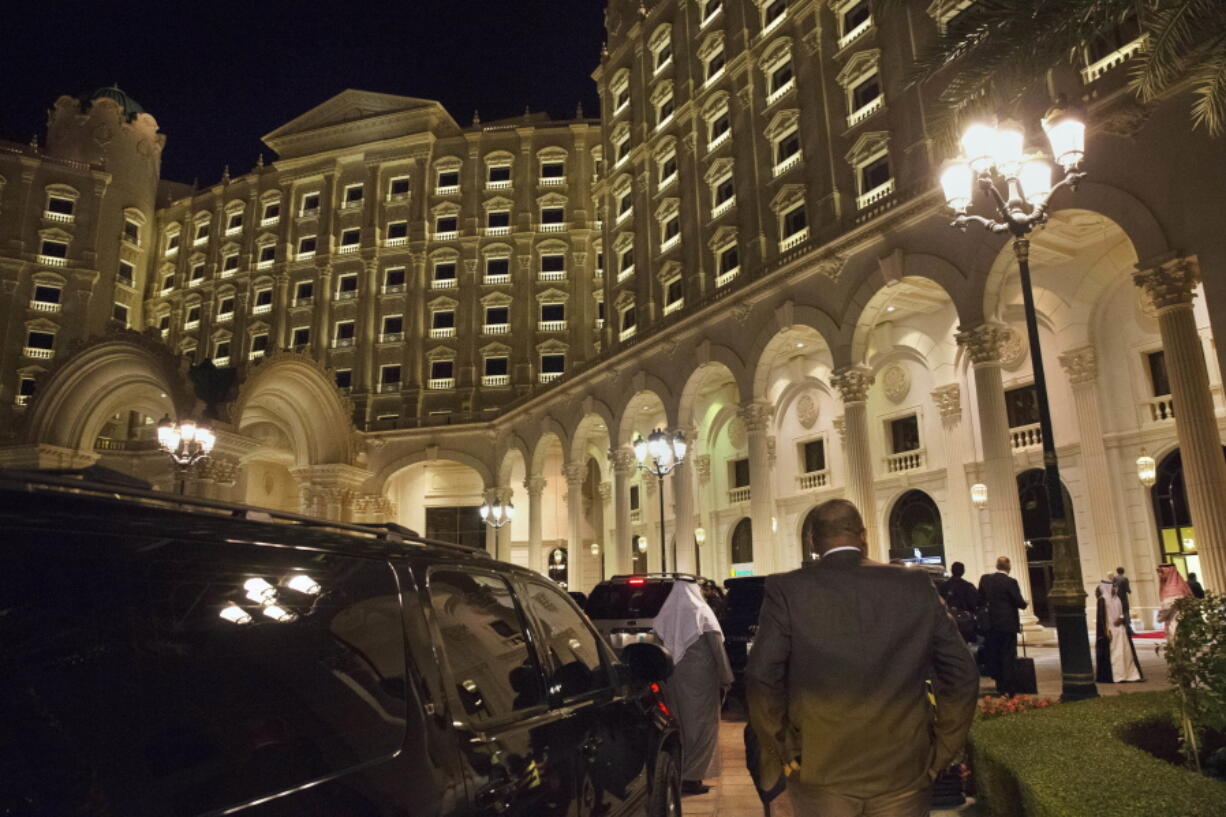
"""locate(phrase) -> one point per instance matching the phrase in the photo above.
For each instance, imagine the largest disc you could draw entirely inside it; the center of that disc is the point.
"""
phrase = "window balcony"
(1026, 437)
(771, 25)
(497, 279)
(625, 106)
(446, 235)
(343, 343)
(62, 218)
(626, 334)
(356, 204)
(220, 362)
(856, 33)
(725, 278)
(45, 306)
(719, 140)
(393, 289)
(225, 317)
(21, 400)
(165, 333)
(440, 383)
(551, 326)
(625, 274)
(667, 182)
(401, 241)
(554, 227)
(780, 92)
(548, 377)
(662, 67)
(1160, 409)
(495, 328)
(306, 255)
(190, 325)
(444, 283)
(395, 198)
(623, 215)
(347, 295)
(598, 272)
(309, 212)
(739, 494)
(558, 275)
(674, 306)
(442, 332)
(491, 231)
(201, 241)
(265, 263)
(37, 353)
(551, 181)
(503, 185)
(600, 323)
(621, 160)
(255, 354)
(271, 221)
(233, 231)
(170, 252)
(1117, 57)
(261, 309)
(166, 291)
(195, 282)
(881, 191)
(723, 207)
(788, 163)
(714, 78)
(52, 261)
(496, 380)
(346, 248)
(447, 190)
(228, 273)
(794, 240)
(664, 123)
(385, 388)
(636, 515)
(391, 337)
(306, 300)
(865, 111)
(812, 480)
(669, 243)
(711, 18)
(905, 461)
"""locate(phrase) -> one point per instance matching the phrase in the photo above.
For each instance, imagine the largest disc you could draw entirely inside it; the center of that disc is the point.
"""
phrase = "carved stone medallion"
(1013, 349)
(807, 411)
(896, 383)
(736, 433)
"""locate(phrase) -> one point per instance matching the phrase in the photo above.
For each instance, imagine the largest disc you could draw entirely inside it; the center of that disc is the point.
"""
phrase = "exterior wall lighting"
(1147, 469)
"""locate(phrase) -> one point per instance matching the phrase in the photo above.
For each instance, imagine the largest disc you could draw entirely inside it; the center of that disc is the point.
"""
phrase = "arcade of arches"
(895, 375)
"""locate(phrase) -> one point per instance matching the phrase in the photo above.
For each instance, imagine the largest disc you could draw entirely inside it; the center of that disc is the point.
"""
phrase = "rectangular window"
(263, 297)
(553, 170)
(720, 125)
(904, 434)
(1022, 406)
(272, 211)
(347, 284)
(623, 98)
(202, 231)
(398, 230)
(168, 282)
(442, 369)
(259, 343)
(389, 374)
(164, 323)
(47, 294)
(794, 221)
(310, 204)
(497, 366)
(623, 148)
(552, 215)
(668, 168)
(120, 314)
(448, 179)
(268, 253)
(446, 224)
(172, 242)
(781, 76)
(306, 246)
(235, 222)
(1157, 373)
(197, 272)
(225, 307)
(553, 263)
(126, 274)
(625, 202)
(674, 291)
(304, 291)
(664, 111)
(813, 454)
(553, 312)
(664, 55)
(345, 330)
(394, 277)
(40, 340)
(354, 193)
(393, 324)
(740, 473)
(301, 336)
(344, 378)
(728, 260)
(629, 319)
(131, 231)
(444, 271)
(854, 16)
(499, 173)
(351, 237)
(787, 146)
(874, 174)
(672, 228)
(442, 319)
(497, 266)
(725, 190)
(634, 497)
(627, 259)
(60, 206)
(222, 350)
(193, 316)
(497, 315)
(865, 91)
(229, 263)
(399, 186)
(54, 249)
(715, 64)
(498, 218)
(553, 364)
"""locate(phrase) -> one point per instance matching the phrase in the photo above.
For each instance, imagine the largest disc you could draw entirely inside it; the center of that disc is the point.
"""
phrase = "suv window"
(161, 681)
(744, 598)
(625, 601)
(489, 668)
(574, 653)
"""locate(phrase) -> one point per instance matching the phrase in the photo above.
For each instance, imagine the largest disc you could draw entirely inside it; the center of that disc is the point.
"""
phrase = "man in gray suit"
(837, 679)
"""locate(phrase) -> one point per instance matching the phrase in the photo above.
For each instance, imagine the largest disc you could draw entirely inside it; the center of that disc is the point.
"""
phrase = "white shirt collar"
(836, 550)
(1003, 572)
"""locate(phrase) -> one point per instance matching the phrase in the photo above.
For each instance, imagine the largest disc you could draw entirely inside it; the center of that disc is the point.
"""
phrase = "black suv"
(624, 607)
(740, 623)
(166, 656)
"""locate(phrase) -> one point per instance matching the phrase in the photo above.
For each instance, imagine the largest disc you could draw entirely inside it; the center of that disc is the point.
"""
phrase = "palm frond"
(1209, 78)
(1172, 29)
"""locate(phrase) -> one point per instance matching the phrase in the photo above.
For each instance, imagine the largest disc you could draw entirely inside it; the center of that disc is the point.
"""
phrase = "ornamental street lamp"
(186, 444)
(1147, 469)
(700, 539)
(497, 514)
(999, 153)
(659, 454)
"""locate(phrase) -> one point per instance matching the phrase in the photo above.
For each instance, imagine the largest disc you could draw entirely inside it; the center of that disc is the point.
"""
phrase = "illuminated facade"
(748, 244)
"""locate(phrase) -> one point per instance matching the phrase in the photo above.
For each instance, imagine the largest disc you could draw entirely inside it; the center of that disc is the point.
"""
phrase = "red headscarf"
(1171, 584)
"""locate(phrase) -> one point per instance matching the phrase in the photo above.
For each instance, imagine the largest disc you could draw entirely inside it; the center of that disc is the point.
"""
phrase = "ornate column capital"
(623, 461)
(1170, 285)
(503, 493)
(535, 485)
(756, 416)
(574, 472)
(702, 465)
(1081, 365)
(853, 383)
(984, 342)
(948, 400)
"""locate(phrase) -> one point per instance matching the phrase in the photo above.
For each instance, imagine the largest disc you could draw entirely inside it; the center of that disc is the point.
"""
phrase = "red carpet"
(1151, 634)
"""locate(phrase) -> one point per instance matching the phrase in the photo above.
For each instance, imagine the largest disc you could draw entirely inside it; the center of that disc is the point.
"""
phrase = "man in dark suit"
(1123, 589)
(837, 678)
(962, 599)
(1001, 596)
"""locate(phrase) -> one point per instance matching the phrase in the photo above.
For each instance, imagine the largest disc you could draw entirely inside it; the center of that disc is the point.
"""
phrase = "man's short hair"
(1120, 570)
(1003, 563)
(833, 519)
(957, 569)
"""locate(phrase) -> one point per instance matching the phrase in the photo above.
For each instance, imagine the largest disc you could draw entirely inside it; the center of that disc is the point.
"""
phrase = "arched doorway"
(742, 548)
(1036, 527)
(915, 528)
(558, 567)
(639, 551)
(1176, 536)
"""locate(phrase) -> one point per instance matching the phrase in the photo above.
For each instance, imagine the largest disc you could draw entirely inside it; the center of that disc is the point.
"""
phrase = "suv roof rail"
(685, 577)
(85, 480)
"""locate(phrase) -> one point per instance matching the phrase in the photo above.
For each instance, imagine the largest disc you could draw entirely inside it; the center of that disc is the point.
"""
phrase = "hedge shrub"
(1071, 761)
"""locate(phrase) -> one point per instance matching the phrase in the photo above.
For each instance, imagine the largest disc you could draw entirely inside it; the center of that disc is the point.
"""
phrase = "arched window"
(1036, 527)
(1176, 536)
(915, 525)
(742, 543)
(640, 555)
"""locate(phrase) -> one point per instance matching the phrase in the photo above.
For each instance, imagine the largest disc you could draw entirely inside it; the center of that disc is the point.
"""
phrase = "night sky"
(217, 76)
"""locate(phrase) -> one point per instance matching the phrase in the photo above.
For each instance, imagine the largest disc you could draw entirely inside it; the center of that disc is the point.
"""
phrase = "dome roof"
(130, 106)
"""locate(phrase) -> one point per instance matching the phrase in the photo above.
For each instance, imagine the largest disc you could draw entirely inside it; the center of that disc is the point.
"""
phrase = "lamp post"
(659, 453)
(999, 153)
(700, 539)
(186, 444)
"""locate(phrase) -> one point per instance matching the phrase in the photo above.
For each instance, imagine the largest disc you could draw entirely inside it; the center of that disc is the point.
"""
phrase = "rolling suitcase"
(1024, 680)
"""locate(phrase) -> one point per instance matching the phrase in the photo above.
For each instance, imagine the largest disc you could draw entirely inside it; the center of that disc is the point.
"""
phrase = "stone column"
(322, 337)
(708, 556)
(535, 486)
(618, 558)
(957, 514)
(983, 345)
(683, 517)
(574, 473)
(490, 496)
(503, 538)
(280, 316)
(756, 417)
(367, 331)
(606, 534)
(1171, 286)
(853, 384)
(1081, 365)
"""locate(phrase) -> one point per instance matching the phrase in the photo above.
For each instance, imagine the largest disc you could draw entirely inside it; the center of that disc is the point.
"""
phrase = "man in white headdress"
(690, 631)
(1117, 658)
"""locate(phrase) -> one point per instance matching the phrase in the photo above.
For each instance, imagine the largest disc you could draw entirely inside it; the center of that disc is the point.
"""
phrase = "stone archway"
(915, 525)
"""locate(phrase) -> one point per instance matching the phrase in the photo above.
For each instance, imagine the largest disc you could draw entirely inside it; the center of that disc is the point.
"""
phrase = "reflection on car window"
(150, 676)
(571, 644)
(627, 600)
(491, 669)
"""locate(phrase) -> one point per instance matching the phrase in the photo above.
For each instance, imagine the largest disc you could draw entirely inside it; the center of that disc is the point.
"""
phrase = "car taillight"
(659, 702)
(637, 581)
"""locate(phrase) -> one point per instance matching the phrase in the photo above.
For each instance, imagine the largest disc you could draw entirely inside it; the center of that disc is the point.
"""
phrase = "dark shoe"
(694, 787)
